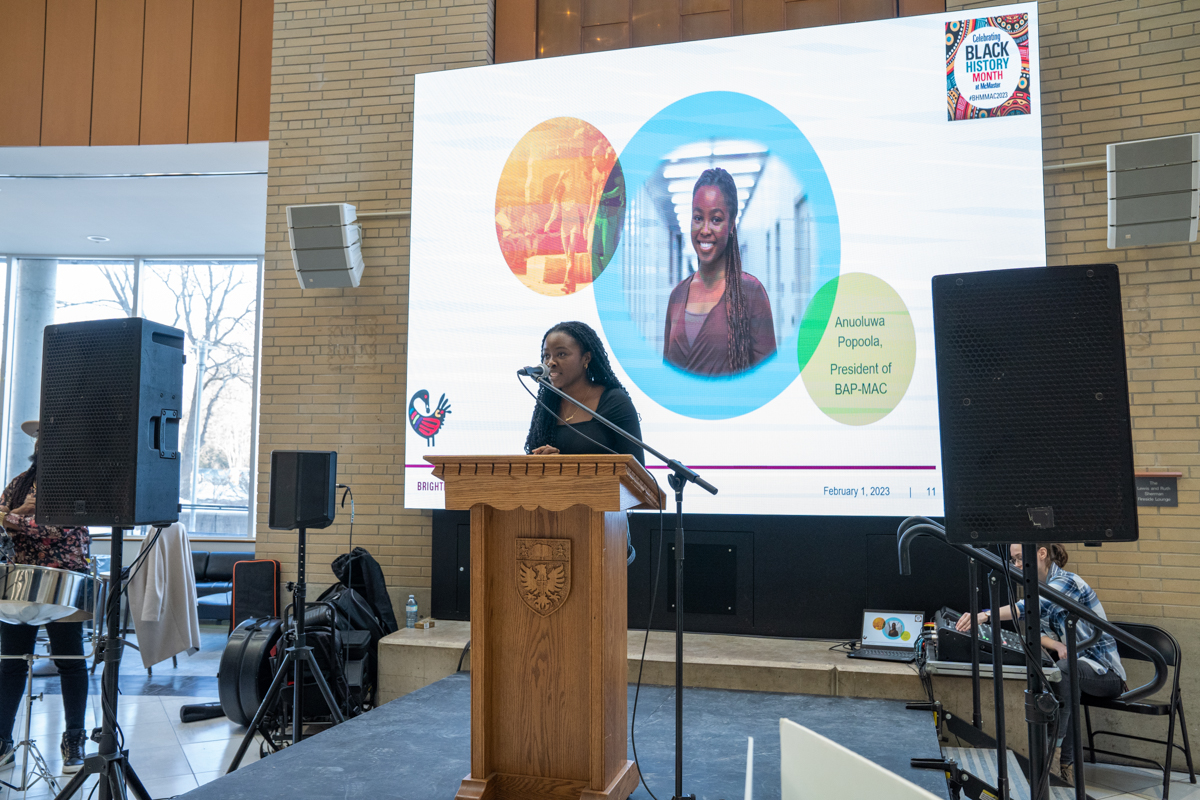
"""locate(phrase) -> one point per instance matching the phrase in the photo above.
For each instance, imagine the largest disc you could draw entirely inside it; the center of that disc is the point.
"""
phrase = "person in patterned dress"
(44, 546)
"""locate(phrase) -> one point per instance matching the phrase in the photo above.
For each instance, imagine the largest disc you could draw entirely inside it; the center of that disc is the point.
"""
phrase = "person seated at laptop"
(1098, 670)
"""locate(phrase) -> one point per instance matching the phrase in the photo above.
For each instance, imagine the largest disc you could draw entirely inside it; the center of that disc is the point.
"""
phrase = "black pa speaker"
(1033, 406)
(108, 431)
(303, 494)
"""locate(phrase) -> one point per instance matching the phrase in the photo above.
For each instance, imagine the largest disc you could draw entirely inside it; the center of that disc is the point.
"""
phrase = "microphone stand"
(679, 478)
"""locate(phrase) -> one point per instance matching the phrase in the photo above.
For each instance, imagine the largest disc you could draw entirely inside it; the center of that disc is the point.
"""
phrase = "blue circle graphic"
(620, 290)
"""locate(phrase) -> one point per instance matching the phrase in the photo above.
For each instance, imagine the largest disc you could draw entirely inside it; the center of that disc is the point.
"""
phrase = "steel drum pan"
(32, 595)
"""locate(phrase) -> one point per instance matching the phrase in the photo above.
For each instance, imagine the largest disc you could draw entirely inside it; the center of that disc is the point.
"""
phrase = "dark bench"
(214, 581)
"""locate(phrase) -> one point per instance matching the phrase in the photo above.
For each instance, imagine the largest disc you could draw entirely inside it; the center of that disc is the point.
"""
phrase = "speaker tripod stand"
(296, 656)
(40, 770)
(117, 776)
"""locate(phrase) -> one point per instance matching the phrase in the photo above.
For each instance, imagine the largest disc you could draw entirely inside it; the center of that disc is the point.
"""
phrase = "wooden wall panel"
(67, 77)
(540, 28)
(655, 22)
(22, 39)
(516, 30)
(810, 13)
(559, 31)
(166, 68)
(605, 12)
(761, 16)
(606, 37)
(212, 108)
(864, 10)
(254, 71)
(689, 7)
(913, 8)
(712, 25)
(117, 77)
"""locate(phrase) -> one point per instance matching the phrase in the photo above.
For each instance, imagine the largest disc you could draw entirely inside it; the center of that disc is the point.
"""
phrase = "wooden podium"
(548, 621)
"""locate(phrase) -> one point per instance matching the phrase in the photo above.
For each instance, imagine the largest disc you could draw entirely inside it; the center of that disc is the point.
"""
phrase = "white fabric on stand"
(162, 599)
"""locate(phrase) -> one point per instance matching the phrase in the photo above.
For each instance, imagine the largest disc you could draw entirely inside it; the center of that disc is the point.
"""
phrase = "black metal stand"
(960, 781)
(1040, 707)
(1077, 739)
(296, 656)
(111, 763)
(679, 477)
(973, 587)
(998, 690)
(677, 483)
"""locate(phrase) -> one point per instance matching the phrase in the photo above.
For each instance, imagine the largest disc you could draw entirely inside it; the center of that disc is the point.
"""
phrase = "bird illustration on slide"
(428, 424)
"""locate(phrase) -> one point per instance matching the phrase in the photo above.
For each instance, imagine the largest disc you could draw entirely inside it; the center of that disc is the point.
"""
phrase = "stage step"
(411, 658)
(982, 764)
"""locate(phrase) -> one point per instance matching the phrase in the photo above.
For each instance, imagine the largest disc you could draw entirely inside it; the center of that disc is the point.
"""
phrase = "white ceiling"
(168, 216)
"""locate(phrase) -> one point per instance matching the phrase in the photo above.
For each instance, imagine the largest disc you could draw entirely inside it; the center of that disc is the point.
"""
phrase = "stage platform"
(418, 747)
(412, 658)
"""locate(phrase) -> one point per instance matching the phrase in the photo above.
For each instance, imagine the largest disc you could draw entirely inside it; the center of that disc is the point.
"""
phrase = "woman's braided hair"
(24, 483)
(543, 427)
(741, 345)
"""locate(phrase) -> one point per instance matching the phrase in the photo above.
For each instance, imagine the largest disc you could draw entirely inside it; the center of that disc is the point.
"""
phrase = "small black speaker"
(302, 489)
(1033, 406)
(108, 432)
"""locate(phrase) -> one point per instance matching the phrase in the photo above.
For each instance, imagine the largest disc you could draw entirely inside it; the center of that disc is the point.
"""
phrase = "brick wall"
(333, 375)
(333, 361)
(1116, 72)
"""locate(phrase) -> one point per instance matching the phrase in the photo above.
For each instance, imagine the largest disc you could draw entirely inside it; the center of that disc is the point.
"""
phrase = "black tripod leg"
(73, 785)
(116, 780)
(267, 704)
(133, 781)
(334, 710)
(298, 691)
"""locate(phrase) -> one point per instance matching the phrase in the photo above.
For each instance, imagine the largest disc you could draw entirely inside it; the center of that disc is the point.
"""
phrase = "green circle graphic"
(856, 349)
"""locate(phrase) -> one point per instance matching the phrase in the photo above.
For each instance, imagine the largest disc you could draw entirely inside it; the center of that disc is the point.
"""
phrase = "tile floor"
(1112, 782)
(173, 757)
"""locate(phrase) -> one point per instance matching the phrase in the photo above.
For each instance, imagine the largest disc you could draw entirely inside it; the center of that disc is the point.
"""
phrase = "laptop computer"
(889, 635)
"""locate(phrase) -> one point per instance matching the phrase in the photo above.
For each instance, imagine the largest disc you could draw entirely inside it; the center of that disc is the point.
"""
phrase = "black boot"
(7, 751)
(72, 750)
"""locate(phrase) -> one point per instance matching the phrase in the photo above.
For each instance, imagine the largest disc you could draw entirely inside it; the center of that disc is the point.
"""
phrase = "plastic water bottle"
(410, 612)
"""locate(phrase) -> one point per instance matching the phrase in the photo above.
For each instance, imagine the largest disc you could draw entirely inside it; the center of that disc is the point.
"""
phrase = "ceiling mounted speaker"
(1153, 191)
(326, 245)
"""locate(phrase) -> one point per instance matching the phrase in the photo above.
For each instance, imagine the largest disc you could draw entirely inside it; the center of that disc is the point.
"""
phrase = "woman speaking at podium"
(1098, 670)
(43, 546)
(577, 364)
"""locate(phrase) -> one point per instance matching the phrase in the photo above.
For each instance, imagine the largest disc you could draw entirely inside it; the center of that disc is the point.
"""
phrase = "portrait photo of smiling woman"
(718, 318)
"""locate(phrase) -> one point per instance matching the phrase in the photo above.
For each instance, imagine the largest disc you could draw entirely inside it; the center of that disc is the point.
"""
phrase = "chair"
(1165, 644)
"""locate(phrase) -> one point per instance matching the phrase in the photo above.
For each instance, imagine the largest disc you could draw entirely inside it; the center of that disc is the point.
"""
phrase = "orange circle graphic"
(559, 206)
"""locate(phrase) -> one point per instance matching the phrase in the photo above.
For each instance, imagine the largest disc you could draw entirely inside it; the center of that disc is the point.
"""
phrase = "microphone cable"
(564, 422)
(657, 569)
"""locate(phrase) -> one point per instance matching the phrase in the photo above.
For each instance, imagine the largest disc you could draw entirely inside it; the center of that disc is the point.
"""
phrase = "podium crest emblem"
(544, 573)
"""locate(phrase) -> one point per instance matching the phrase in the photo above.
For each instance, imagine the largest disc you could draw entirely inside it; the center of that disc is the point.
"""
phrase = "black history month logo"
(987, 67)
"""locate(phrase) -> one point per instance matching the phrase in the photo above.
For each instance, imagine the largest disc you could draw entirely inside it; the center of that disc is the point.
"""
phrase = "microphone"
(532, 372)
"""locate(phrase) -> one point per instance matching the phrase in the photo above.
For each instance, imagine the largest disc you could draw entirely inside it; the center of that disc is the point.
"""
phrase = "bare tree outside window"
(214, 304)
(88, 291)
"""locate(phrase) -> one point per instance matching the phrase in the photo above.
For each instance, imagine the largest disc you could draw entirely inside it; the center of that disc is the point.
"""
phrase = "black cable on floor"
(642, 663)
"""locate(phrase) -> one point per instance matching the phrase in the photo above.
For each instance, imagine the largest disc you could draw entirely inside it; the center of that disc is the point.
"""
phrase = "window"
(215, 302)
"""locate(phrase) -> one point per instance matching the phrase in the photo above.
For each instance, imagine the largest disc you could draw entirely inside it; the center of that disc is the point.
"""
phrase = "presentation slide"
(863, 160)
